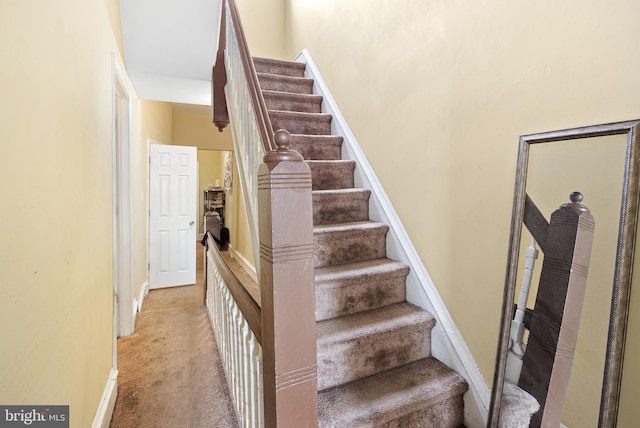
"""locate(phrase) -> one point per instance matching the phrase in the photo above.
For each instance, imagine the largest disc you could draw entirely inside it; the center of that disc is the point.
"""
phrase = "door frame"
(121, 184)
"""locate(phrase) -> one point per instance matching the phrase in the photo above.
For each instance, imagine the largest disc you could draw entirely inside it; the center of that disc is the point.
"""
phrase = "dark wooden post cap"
(283, 153)
(576, 198)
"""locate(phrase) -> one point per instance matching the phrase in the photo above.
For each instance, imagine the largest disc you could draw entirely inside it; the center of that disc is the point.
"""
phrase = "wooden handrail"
(247, 305)
(536, 223)
(257, 100)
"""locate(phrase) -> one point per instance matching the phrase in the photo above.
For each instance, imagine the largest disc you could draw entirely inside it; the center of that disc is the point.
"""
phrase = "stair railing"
(238, 100)
(238, 335)
(276, 187)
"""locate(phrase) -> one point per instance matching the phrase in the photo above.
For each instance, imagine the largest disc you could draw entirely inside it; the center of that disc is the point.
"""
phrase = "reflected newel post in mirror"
(564, 323)
(546, 362)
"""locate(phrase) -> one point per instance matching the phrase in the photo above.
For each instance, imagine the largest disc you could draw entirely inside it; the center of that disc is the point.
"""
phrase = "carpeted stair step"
(340, 206)
(355, 346)
(327, 175)
(337, 244)
(276, 66)
(275, 82)
(359, 287)
(317, 147)
(287, 101)
(425, 393)
(301, 123)
(374, 365)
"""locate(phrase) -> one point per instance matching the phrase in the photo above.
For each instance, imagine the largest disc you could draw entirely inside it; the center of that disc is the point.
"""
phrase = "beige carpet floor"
(170, 373)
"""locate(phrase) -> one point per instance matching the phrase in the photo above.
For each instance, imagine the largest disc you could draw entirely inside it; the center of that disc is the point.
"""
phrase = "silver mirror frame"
(612, 377)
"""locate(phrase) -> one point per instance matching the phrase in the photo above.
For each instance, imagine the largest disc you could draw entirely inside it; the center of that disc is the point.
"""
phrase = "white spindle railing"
(239, 348)
(248, 145)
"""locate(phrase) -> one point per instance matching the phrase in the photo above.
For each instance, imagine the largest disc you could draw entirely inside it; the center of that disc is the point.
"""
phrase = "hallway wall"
(439, 95)
(154, 124)
(56, 292)
(264, 27)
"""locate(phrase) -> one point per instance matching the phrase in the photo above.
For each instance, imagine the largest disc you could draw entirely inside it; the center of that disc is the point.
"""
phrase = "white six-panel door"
(172, 215)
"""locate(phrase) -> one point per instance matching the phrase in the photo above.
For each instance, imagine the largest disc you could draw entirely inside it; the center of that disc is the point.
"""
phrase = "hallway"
(170, 374)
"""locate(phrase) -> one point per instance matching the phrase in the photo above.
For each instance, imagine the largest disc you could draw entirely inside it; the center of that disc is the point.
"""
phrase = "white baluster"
(257, 357)
(245, 373)
(517, 346)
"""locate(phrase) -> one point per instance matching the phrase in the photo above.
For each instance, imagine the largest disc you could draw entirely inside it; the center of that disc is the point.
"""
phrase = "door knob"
(191, 223)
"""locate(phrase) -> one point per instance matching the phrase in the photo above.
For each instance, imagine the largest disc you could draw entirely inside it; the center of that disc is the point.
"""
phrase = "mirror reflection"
(553, 364)
(592, 166)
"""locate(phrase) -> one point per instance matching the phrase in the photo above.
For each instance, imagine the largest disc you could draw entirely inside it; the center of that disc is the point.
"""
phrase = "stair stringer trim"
(447, 342)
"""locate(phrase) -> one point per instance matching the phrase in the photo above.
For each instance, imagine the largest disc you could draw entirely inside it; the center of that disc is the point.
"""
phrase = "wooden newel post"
(287, 288)
(556, 315)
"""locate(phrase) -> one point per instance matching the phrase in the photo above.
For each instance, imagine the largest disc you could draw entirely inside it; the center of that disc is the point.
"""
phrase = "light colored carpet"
(170, 374)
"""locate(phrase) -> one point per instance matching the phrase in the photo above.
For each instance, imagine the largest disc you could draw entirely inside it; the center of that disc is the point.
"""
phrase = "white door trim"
(121, 197)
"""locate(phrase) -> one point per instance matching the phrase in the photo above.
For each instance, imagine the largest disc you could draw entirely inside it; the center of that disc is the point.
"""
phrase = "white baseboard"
(246, 265)
(102, 419)
(144, 290)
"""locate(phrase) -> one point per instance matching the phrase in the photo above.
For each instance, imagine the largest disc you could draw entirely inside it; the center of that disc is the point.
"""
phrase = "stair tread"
(351, 192)
(316, 137)
(366, 268)
(359, 286)
(351, 226)
(292, 95)
(284, 78)
(302, 115)
(393, 393)
(330, 161)
(317, 146)
(362, 324)
(290, 67)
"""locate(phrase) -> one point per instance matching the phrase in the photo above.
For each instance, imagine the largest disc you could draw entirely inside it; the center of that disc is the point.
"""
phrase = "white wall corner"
(103, 415)
(144, 290)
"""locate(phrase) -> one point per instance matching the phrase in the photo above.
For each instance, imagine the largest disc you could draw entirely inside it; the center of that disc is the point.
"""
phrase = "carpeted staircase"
(374, 349)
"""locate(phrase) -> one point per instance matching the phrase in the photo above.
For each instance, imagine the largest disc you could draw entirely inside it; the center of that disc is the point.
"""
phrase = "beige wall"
(263, 23)
(153, 124)
(56, 292)
(156, 122)
(192, 126)
(437, 94)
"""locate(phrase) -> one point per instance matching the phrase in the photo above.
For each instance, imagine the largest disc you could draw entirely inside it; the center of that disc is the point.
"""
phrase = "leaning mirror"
(568, 281)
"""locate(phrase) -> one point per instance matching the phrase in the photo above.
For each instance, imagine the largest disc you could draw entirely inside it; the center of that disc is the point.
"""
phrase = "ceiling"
(170, 47)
